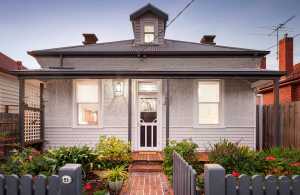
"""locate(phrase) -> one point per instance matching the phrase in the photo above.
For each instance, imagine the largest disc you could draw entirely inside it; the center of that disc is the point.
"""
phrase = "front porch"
(173, 118)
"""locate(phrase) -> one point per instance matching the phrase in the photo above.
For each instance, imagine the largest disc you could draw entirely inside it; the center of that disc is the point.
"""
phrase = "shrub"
(112, 151)
(235, 157)
(63, 155)
(187, 149)
(280, 161)
(17, 163)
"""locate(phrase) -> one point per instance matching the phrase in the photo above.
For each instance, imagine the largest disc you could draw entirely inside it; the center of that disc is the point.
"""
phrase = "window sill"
(216, 126)
(85, 127)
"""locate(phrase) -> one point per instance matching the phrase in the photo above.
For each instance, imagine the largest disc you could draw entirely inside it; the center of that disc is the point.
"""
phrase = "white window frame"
(75, 106)
(144, 33)
(220, 123)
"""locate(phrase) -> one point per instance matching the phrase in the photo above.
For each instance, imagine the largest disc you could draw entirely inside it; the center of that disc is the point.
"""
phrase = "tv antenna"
(276, 30)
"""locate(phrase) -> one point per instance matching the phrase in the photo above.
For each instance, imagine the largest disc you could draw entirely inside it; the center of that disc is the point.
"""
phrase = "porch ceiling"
(75, 74)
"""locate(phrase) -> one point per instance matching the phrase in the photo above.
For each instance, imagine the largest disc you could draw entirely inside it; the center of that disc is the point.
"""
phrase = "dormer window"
(149, 25)
(149, 33)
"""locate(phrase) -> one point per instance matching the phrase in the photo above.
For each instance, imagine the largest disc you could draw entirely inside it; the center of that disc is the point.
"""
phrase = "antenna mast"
(276, 30)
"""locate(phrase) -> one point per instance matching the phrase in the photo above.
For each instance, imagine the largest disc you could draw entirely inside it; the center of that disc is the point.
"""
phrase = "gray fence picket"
(230, 185)
(12, 184)
(26, 185)
(296, 184)
(184, 176)
(2, 184)
(40, 185)
(245, 183)
(284, 185)
(257, 185)
(271, 185)
(53, 185)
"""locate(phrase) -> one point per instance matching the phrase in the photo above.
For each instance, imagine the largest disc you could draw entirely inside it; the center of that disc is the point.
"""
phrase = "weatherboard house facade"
(148, 90)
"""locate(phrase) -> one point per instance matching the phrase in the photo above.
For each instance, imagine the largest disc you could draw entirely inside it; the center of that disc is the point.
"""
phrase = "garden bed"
(104, 165)
(237, 159)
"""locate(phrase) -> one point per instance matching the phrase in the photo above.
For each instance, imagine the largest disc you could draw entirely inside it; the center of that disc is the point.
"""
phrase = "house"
(149, 89)
(289, 84)
(9, 85)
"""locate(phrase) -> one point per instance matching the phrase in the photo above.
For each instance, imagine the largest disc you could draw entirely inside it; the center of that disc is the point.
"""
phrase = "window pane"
(209, 113)
(148, 28)
(208, 91)
(148, 105)
(87, 114)
(148, 87)
(87, 91)
(149, 38)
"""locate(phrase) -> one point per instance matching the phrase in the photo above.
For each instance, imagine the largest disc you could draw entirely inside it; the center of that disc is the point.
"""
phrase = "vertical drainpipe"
(21, 111)
(276, 113)
(168, 112)
(129, 109)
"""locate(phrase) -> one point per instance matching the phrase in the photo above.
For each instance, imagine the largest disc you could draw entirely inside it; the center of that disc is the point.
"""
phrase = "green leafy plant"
(112, 152)
(81, 155)
(280, 161)
(17, 163)
(235, 157)
(118, 173)
(187, 149)
(100, 192)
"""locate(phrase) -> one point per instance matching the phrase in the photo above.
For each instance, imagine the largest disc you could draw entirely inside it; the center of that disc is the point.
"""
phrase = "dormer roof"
(149, 8)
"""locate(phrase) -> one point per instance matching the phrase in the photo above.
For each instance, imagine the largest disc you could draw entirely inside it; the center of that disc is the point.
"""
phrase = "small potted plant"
(116, 177)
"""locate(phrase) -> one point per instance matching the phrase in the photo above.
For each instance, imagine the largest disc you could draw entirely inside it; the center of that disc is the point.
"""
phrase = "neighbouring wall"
(238, 114)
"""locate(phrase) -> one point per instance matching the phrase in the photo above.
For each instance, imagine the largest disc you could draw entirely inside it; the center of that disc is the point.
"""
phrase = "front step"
(146, 162)
(144, 168)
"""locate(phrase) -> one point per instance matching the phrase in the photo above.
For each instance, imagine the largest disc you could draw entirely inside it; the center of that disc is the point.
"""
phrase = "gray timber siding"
(157, 64)
(9, 92)
(238, 114)
(60, 129)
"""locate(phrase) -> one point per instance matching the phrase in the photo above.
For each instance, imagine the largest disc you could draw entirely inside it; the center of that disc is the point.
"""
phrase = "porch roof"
(65, 73)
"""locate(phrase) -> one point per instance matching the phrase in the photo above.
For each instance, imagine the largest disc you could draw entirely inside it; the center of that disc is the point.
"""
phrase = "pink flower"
(295, 164)
(88, 186)
(30, 158)
(270, 158)
(235, 173)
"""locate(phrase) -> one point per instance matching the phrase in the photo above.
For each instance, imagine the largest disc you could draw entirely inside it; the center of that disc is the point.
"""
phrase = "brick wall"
(285, 95)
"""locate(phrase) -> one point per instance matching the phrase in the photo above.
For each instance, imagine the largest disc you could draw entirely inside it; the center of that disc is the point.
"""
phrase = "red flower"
(295, 164)
(270, 158)
(235, 173)
(88, 186)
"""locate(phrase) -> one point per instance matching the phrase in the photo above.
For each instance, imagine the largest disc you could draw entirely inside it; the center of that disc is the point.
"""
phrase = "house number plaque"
(66, 179)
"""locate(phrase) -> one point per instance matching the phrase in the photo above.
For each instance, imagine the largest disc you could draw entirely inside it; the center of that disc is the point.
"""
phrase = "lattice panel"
(32, 95)
(32, 127)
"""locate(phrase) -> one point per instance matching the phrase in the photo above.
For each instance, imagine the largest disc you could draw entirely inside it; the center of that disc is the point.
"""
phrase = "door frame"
(159, 116)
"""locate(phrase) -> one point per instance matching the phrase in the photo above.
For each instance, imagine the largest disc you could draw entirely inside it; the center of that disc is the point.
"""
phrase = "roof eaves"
(149, 53)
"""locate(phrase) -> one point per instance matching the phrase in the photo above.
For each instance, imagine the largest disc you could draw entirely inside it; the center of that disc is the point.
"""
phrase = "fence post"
(214, 179)
(70, 177)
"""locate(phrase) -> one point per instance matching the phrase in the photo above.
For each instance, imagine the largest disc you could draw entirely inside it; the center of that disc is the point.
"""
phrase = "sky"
(27, 25)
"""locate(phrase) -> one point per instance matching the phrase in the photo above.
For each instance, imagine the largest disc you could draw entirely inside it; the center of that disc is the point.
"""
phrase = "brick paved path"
(140, 183)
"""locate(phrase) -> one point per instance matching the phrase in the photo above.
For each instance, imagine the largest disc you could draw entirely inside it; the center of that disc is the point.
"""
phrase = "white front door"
(149, 115)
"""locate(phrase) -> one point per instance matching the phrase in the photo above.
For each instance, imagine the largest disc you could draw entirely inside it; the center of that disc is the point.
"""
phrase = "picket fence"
(67, 182)
(217, 183)
(184, 176)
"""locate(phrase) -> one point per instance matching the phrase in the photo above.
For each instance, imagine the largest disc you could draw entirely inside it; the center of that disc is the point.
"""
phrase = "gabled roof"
(7, 64)
(128, 48)
(149, 8)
